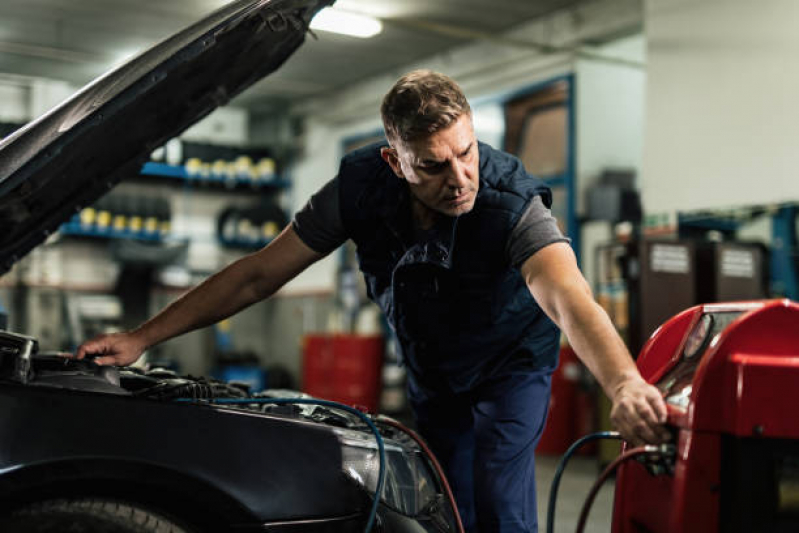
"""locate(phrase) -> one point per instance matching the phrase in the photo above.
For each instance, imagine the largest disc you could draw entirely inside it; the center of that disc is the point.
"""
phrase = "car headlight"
(410, 485)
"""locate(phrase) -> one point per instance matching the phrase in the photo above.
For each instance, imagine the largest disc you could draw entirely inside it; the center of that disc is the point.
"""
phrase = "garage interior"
(665, 129)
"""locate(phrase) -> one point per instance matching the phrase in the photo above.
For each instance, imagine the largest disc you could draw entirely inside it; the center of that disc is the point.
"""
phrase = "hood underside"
(58, 164)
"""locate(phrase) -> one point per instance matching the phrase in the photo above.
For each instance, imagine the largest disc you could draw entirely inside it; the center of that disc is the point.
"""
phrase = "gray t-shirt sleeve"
(319, 223)
(535, 229)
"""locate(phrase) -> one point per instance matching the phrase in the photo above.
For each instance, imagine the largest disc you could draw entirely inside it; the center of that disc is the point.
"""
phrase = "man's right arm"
(243, 283)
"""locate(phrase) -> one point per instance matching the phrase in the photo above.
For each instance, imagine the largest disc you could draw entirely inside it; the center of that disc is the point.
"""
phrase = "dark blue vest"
(459, 310)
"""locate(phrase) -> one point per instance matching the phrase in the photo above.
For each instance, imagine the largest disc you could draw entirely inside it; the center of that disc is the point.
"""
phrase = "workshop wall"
(721, 103)
(13, 102)
(610, 126)
(228, 126)
(609, 100)
(489, 72)
(22, 99)
(610, 111)
(194, 211)
(67, 267)
(47, 94)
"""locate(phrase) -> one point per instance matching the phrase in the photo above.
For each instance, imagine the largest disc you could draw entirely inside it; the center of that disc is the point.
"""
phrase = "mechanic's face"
(442, 170)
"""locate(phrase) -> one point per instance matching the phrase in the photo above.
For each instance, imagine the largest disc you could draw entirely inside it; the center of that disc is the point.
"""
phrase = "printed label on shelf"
(670, 258)
(738, 263)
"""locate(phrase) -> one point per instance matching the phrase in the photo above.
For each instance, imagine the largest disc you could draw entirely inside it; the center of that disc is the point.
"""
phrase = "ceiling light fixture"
(346, 23)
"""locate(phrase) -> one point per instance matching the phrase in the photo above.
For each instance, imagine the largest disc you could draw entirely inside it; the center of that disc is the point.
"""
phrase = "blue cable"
(553, 491)
(381, 478)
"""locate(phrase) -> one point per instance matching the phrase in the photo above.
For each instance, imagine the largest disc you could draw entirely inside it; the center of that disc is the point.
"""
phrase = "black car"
(90, 448)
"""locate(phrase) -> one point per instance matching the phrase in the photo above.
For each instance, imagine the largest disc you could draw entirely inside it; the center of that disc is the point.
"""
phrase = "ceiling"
(77, 40)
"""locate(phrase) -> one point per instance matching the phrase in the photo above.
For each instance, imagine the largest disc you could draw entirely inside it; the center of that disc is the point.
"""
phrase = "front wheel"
(88, 515)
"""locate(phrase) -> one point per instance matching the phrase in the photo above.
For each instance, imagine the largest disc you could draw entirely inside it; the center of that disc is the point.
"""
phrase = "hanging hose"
(440, 471)
(553, 491)
(641, 450)
(381, 478)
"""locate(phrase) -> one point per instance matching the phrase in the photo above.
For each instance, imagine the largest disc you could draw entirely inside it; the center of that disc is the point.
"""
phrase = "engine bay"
(20, 362)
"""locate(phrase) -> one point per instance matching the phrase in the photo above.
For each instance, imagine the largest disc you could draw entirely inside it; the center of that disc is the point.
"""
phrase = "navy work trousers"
(485, 440)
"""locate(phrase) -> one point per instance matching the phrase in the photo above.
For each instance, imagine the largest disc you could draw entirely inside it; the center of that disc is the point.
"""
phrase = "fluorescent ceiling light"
(347, 23)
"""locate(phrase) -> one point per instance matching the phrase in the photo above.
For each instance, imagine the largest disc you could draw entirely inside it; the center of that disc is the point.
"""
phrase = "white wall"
(323, 148)
(722, 110)
(13, 102)
(47, 94)
(227, 126)
(610, 111)
(23, 99)
(609, 126)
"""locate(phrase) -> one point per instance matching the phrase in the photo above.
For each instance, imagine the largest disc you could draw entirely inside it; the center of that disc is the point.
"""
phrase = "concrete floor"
(575, 483)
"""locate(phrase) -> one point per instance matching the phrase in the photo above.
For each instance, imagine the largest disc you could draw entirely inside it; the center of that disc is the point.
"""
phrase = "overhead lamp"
(346, 23)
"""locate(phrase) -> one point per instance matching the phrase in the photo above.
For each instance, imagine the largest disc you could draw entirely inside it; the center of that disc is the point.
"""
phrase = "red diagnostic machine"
(730, 376)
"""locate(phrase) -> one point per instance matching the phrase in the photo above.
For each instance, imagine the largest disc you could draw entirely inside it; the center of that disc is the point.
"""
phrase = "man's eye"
(434, 169)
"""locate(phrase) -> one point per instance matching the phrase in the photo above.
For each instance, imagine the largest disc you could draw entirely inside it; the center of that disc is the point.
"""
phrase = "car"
(93, 448)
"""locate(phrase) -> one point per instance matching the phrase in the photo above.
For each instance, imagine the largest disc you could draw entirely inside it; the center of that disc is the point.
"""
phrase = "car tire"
(88, 515)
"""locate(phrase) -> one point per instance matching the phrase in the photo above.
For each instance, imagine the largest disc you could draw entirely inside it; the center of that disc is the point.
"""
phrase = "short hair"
(421, 103)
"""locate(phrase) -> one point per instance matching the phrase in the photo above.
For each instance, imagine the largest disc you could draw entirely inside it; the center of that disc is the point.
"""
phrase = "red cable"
(629, 454)
(412, 434)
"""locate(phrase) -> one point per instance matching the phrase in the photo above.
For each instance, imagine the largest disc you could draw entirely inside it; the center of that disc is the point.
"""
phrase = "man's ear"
(390, 156)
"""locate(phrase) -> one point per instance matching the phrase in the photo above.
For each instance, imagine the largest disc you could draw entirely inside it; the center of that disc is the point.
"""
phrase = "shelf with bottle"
(120, 216)
(250, 227)
(239, 174)
(74, 228)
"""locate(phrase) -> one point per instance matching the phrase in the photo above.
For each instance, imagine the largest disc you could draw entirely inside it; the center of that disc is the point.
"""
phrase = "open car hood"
(65, 160)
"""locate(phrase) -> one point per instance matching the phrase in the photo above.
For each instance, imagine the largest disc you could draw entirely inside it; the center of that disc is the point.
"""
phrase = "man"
(459, 249)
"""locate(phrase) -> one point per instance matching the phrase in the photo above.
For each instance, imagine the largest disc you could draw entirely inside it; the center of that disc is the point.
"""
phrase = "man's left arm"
(560, 289)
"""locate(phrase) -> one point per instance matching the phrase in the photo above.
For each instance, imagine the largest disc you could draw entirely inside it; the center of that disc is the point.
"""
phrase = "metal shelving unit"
(180, 174)
(74, 228)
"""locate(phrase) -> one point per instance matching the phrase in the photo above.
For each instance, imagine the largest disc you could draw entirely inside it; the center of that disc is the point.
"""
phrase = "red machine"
(730, 377)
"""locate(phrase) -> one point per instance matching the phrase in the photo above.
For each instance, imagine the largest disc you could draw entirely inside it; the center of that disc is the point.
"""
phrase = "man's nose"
(457, 178)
